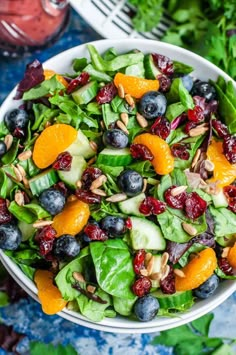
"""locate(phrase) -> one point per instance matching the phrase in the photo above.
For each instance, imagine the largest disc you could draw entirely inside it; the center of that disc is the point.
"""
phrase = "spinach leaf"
(144, 168)
(176, 135)
(46, 87)
(114, 268)
(79, 64)
(119, 105)
(65, 279)
(3, 129)
(224, 221)
(43, 114)
(222, 275)
(28, 213)
(11, 155)
(97, 75)
(182, 68)
(194, 143)
(110, 170)
(123, 306)
(185, 98)
(224, 349)
(195, 248)
(109, 116)
(134, 128)
(174, 110)
(93, 108)
(93, 310)
(3, 184)
(24, 256)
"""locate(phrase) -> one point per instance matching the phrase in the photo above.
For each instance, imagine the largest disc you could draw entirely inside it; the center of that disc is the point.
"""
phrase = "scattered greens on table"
(207, 27)
(117, 264)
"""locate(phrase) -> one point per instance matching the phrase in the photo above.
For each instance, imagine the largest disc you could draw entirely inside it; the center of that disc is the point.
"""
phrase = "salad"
(117, 185)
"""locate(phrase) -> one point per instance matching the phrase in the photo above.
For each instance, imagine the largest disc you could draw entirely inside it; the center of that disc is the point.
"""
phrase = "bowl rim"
(110, 324)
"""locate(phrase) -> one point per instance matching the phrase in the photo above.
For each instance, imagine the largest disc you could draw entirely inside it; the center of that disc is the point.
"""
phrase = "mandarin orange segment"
(48, 74)
(72, 219)
(51, 142)
(231, 257)
(49, 295)
(135, 86)
(163, 161)
(224, 173)
(197, 271)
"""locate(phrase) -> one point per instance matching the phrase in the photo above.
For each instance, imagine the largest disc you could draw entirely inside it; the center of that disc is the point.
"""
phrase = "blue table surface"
(26, 315)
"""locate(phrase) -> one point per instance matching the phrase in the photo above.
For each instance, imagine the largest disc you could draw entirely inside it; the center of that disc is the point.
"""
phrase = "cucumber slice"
(131, 206)
(151, 71)
(81, 147)
(146, 235)
(179, 301)
(220, 200)
(43, 181)
(114, 157)
(86, 93)
(70, 178)
(26, 229)
(136, 70)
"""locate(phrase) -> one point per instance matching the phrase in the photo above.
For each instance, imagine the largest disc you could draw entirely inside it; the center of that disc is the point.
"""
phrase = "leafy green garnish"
(37, 348)
(46, 87)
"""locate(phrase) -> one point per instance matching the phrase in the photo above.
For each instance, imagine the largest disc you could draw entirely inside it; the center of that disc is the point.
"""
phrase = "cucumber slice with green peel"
(81, 147)
(114, 157)
(86, 93)
(43, 181)
(136, 70)
(179, 301)
(131, 206)
(146, 235)
(70, 178)
(151, 71)
(26, 229)
(220, 200)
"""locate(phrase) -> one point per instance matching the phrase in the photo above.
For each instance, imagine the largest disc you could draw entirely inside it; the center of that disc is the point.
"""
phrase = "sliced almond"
(117, 198)
(122, 126)
(189, 229)
(179, 273)
(25, 155)
(8, 140)
(98, 182)
(121, 91)
(99, 192)
(155, 276)
(165, 271)
(19, 198)
(178, 190)
(91, 161)
(78, 276)
(141, 120)
(129, 100)
(21, 170)
(144, 272)
(93, 145)
(124, 118)
(196, 158)
(25, 182)
(150, 265)
(164, 259)
(225, 252)
(18, 175)
(41, 224)
(199, 130)
(208, 165)
(91, 288)
(148, 256)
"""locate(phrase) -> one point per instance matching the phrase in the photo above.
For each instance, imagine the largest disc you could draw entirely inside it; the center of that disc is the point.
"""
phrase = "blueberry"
(10, 236)
(146, 308)
(52, 200)
(130, 182)
(207, 288)
(66, 247)
(115, 138)
(152, 104)
(114, 226)
(204, 89)
(3, 148)
(16, 118)
(187, 81)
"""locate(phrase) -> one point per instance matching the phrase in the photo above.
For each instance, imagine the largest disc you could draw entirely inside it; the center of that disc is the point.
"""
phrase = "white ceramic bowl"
(203, 70)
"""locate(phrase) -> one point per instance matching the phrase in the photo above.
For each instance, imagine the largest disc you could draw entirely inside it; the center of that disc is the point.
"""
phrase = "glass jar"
(26, 25)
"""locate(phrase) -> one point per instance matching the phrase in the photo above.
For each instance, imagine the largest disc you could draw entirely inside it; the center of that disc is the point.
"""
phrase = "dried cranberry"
(61, 187)
(195, 206)
(220, 128)
(180, 151)
(128, 223)
(18, 133)
(229, 148)
(164, 63)
(230, 193)
(106, 93)
(5, 215)
(138, 262)
(177, 201)
(196, 115)
(151, 205)
(142, 286)
(94, 232)
(164, 83)
(82, 79)
(45, 238)
(161, 127)
(225, 266)
(87, 196)
(167, 285)
(89, 175)
(140, 151)
(189, 125)
(63, 162)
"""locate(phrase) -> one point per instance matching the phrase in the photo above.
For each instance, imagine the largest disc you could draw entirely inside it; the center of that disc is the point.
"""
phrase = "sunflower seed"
(78, 276)
(91, 288)
(99, 192)
(91, 161)
(129, 100)
(117, 198)
(98, 182)
(189, 229)
(144, 185)
(165, 271)
(72, 198)
(25, 182)
(178, 190)
(155, 276)
(148, 256)
(25, 155)
(21, 170)
(122, 126)
(141, 120)
(164, 259)
(19, 198)
(144, 272)
(225, 252)
(121, 91)
(17, 172)
(79, 184)
(199, 130)
(8, 140)
(196, 158)
(208, 165)
(150, 265)
(93, 145)
(40, 224)
(124, 118)
(179, 273)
